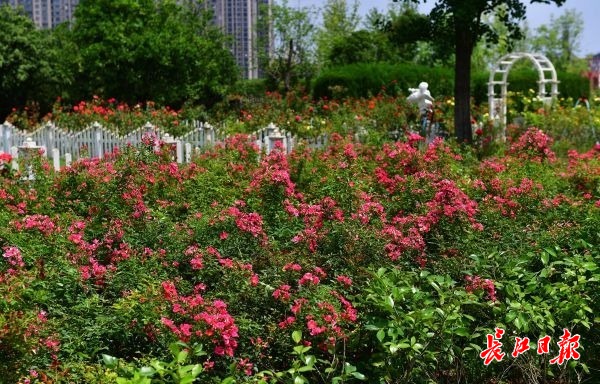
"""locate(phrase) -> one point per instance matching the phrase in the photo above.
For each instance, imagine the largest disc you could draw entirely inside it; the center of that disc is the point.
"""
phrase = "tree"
(463, 21)
(488, 50)
(559, 40)
(160, 50)
(292, 54)
(361, 47)
(30, 73)
(339, 21)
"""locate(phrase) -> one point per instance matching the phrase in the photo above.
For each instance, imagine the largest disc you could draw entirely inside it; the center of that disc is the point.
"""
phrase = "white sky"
(537, 14)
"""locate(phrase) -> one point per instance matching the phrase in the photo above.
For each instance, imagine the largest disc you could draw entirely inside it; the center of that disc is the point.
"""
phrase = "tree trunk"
(462, 83)
(288, 68)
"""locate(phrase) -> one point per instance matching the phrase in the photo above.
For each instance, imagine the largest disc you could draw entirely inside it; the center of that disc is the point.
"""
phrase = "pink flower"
(13, 256)
(309, 278)
(254, 280)
(292, 267)
(282, 293)
(345, 280)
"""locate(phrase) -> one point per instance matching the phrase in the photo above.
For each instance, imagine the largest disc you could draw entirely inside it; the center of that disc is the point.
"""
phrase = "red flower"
(479, 131)
(5, 158)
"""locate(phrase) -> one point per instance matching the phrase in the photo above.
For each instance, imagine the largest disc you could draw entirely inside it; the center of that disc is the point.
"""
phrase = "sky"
(537, 14)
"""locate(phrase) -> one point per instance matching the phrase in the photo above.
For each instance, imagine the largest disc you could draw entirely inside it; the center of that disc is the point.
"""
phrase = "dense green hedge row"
(360, 80)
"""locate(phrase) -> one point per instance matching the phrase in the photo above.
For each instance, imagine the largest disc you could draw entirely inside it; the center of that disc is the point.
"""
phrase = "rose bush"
(376, 262)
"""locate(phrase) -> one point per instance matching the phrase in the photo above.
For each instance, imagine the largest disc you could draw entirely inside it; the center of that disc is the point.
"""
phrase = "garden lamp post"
(171, 144)
(27, 151)
(275, 138)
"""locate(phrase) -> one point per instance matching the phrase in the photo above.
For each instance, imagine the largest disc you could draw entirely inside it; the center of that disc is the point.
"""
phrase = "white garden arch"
(499, 77)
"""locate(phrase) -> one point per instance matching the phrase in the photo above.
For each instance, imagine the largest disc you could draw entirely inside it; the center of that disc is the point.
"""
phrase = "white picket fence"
(96, 141)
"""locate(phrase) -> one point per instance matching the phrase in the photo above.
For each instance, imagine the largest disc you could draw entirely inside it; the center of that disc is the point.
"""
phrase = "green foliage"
(425, 325)
(177, 371)
(362, 80)
(138, 50)
(559, 39)
(360, 47)
(292, 59)
(340, 20)
(29, 62)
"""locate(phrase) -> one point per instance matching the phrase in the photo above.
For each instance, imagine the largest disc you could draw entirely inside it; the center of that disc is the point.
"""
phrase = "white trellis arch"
(499, 77)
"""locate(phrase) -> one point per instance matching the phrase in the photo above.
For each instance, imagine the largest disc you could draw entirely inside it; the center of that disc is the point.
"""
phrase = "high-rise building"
(46, 13)
(239, 19)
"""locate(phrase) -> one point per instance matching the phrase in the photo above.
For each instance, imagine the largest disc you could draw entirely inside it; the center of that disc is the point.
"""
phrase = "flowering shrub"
(381, 261)
(533, 145)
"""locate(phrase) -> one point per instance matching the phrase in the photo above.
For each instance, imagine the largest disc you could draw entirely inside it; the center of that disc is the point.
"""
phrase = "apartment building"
(46, 13)
(239, 18)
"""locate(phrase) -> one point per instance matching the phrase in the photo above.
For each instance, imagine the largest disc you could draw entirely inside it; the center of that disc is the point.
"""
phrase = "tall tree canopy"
(559, 39)
(29, 66)
(340, 20)
(292, 55)
(462, 20)
(138, 50)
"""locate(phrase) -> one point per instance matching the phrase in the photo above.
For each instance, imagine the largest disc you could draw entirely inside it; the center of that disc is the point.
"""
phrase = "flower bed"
(376, 263)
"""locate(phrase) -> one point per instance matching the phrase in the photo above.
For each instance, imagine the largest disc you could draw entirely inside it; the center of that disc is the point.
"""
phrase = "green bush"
(362, 80)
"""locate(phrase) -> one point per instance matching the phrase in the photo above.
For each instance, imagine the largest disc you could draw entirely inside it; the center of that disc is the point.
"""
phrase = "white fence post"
(179, 151)
(98, 137)
(56, 159)
(14, 153)
(188, 152)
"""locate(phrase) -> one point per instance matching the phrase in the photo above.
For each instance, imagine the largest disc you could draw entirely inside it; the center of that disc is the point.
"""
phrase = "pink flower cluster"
(42, 223)
(475, 282)
(201, 319)
(369, 209)
(273, 170)
(13, 256)
(405, 233)
(533, 145)
(251, 223)
(313, 216)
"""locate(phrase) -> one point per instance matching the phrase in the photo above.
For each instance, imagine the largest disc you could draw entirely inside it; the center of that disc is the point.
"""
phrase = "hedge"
(363, 80)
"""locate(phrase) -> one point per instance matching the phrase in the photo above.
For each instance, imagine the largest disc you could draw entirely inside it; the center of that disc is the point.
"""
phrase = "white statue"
(422, 97)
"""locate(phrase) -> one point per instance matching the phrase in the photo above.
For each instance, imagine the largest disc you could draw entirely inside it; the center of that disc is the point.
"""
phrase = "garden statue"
(421, 97)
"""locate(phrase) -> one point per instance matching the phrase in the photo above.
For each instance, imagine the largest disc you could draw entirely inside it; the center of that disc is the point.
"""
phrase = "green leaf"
(110, 361)
(381, 335)
(147, 371)
(182, 356)
(590, 266)
(299, 380)
(197, 370)
(545, 258)
(359, 376)
(309, 360)
(296, 336)
(389, 301)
